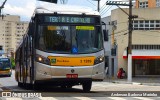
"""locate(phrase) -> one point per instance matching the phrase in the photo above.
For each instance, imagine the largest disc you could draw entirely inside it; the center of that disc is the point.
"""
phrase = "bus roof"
(65, 9)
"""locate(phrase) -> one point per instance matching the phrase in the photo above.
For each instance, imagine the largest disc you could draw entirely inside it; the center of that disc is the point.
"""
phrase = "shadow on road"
(4, 76)
(44, 88)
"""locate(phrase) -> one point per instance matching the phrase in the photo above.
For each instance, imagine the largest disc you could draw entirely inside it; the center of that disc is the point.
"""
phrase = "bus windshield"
(5, 63)
(69, 39)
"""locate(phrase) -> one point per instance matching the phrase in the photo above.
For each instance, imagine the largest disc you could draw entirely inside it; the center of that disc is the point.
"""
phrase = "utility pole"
(130, 17)
(98, 6)
(2, 6)
(130, 43)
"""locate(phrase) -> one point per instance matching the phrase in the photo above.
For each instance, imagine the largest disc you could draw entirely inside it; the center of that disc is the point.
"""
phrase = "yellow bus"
(63, 46)
(5, 67)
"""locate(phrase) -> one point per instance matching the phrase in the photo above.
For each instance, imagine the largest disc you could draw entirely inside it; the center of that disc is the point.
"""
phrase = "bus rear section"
(5, 67)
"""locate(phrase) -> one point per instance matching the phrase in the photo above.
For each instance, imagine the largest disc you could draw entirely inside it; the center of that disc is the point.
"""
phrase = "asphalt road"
(100, 90)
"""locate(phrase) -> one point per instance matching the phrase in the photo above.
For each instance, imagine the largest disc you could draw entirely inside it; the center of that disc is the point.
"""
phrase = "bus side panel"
(42, 71)
(98, 72)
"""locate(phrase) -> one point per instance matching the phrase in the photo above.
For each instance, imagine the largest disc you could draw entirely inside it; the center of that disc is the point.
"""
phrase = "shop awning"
(143, 54)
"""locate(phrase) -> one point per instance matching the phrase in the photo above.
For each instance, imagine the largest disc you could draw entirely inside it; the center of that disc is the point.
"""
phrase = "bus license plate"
(72, 75)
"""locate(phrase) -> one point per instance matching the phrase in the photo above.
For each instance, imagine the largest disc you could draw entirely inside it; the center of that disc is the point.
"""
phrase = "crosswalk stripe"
(143, 98)
(47, 98)
(14, 99)
(83, 98)
(116, 98)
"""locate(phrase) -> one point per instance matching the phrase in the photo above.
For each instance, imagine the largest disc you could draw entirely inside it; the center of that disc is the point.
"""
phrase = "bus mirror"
(105, 34)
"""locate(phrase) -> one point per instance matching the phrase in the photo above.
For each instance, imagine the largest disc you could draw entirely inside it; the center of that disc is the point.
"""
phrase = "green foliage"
(13, 62)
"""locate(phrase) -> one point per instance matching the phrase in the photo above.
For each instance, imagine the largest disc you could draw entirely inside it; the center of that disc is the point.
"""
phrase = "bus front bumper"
(5, 72)
(46, 72)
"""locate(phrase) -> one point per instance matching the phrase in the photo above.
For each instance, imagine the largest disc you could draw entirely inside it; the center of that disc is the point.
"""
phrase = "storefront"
(145, 62)
(146, 67)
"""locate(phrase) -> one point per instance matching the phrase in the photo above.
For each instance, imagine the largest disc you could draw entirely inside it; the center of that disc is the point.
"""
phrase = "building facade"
(147, 3)
(11, 32)
(110, 57)
(145, 40)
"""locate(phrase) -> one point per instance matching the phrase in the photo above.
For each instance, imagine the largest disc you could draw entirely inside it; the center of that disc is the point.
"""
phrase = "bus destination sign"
(68, 19)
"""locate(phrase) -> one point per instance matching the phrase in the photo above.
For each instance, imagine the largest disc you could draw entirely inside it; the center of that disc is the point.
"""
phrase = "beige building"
(11, 31)
(145, 40)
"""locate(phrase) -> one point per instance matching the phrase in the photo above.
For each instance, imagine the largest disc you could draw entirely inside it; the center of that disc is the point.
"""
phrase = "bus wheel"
(87, 86)
(69, 86)
(9, 75)
(36, 86)
(20, 84)
(28, 86)
(63, 86)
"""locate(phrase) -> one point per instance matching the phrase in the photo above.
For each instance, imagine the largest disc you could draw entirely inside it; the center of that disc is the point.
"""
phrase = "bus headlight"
(42, 59)
(98, 60)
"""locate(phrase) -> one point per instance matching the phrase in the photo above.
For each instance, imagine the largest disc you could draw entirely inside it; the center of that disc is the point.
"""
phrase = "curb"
(1, 89)
(136, 83)
(122, 82)
(151, 84)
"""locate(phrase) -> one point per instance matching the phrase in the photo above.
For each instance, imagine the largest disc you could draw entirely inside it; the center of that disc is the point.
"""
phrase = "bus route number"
(85, 61)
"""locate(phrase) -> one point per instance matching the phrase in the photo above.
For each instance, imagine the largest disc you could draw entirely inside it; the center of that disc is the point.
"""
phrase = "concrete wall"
(112, 67)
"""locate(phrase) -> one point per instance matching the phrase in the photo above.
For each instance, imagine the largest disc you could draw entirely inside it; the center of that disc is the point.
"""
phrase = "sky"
(25, 8)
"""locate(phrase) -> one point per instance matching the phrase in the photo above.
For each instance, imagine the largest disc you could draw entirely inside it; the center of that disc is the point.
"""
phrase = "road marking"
(116, 98)
(5, 89)
(1, 89)
(83, 98)
(143, 98)
(13, 98)
(47, 98)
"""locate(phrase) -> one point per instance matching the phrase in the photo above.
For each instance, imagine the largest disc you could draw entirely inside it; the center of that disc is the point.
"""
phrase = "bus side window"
(1, 65)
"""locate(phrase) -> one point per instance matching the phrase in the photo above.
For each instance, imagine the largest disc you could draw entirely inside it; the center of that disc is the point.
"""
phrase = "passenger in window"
(84, 43)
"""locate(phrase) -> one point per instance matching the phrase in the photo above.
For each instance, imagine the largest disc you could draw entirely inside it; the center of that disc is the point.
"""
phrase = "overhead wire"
(118, 32)
(91, 3)
(106, 10)
(103, 6)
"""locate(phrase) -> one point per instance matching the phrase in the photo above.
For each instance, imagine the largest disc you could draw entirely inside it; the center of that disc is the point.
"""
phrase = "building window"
(158, 3)
(146, 25)
(143, 4)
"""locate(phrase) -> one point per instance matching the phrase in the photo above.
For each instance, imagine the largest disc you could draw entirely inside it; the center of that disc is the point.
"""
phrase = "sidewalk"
(152, 81)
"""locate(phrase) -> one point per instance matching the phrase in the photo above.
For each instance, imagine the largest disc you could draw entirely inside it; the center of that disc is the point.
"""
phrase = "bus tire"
(28, 86)
(20, 84)
(69, 86)
(9, 75)
(36, 86)
(63, 86)
(87, 86)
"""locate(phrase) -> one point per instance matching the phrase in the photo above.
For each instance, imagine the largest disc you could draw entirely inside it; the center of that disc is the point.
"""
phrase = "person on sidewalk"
(123, 73)
(119, 74)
